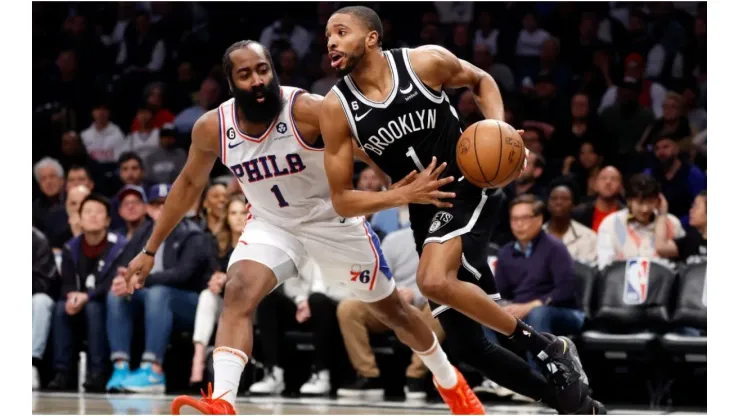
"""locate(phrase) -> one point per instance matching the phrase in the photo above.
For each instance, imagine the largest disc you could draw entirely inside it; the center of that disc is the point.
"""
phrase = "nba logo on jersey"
(492, 262)
(636, 281)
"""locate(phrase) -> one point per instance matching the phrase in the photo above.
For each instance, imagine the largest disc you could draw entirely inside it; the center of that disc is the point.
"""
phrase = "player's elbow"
(341, 205)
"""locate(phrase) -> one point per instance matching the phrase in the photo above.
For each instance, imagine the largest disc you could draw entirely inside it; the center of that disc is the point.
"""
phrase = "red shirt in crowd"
(599, 216)
(161, 117)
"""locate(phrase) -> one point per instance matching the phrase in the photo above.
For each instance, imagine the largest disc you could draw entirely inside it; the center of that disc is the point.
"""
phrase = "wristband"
(147, 252)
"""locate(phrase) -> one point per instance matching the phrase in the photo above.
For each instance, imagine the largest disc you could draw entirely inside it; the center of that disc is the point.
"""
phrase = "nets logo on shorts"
(440, 220)
(636, 281)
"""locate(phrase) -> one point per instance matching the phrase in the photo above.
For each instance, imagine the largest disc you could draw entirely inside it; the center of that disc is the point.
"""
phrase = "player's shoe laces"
(207, 405)
(561, 365)
(461, 399)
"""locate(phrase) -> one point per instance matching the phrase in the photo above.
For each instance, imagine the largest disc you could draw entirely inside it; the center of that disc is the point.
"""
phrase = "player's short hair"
(97, 198)
(367, 16)
(228, 66)
(642, 186)
(538, 207)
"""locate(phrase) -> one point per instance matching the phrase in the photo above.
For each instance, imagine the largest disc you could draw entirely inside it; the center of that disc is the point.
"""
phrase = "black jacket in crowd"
(103, 273)
(187, 256)
(45, 274)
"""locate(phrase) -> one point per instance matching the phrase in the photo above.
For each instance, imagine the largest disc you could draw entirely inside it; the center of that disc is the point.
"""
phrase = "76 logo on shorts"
(358, 274)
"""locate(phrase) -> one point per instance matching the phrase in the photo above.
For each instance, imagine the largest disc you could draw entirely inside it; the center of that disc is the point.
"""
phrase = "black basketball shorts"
(473, 217)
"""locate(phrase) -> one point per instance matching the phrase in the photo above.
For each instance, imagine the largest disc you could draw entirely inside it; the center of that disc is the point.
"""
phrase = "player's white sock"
(228, 364)
(436, 361)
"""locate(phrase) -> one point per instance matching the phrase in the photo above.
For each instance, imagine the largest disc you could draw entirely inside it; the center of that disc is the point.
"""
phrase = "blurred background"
(612, 97)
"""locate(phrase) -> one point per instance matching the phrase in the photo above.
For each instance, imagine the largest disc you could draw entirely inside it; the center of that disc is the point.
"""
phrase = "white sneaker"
(272, 383)
(36, 383)
(318, 384)
(488, 386)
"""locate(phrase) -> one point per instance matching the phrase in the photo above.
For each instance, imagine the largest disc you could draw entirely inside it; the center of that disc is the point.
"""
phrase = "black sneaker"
(363, 387)
(561, 366)
(415, 389)
(59, 383)
(95, 383)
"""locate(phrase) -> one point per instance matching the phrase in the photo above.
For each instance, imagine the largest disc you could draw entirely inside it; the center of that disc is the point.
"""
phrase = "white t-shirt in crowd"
(491, 40)
(530, 44)
(140, 142)
(101, 145)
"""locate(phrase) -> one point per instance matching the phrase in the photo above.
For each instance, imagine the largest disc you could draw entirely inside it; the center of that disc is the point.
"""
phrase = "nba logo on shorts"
(636, 281)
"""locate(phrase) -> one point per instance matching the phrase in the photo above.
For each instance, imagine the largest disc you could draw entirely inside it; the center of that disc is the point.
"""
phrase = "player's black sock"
(528, 338)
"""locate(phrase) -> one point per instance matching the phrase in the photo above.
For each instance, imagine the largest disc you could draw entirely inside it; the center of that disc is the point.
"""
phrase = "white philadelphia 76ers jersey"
(281, 175)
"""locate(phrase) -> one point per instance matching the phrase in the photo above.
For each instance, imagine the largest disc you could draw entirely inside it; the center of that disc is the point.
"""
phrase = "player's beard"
(255, 111)
(352, 60)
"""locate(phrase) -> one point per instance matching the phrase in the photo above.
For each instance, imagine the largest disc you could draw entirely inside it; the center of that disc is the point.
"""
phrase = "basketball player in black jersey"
(393, 105)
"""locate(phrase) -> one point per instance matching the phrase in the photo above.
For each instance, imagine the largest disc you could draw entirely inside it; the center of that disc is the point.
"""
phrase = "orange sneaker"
(461, 399)
(207, 405)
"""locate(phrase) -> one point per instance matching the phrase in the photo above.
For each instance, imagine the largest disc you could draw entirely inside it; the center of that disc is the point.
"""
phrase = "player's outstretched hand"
(137, 271)
(424, 188)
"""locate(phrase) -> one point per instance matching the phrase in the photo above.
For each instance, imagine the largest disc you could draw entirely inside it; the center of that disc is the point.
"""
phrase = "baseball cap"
(159, 191)
(132, 189)
(633, 60)
(168, 130)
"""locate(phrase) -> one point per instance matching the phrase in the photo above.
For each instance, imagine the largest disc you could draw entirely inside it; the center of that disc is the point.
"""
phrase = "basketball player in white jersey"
(269, 137)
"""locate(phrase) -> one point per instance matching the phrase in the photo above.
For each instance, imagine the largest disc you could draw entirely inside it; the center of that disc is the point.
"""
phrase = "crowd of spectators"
(611, 98)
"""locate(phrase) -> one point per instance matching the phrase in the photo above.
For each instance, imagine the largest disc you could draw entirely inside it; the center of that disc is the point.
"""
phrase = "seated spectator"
(461, 45)
(579, 239)
(73, 152)
(584, 169)
(483, 59)
(165, 163)
(87, 269)
(210, 301)
(540, 98)
(691, 248)
(680, 180)
(130, 172)
(141, 49)
(529, 45)
(48, 209)
(169, 299)
(650, 94)
(357, 321)
(626, 119)
(630, 232)
(672, 124)
(79, 175)
(467, 109)
(103, 137)
(530, 180)
(144, 140)
(581, 126)
(608, 189)
(323, 85)
(132, 209)
(154, 99)
(386, 221)
(212, 208)
(284, 33)
(75, 196)
(697, 116)
(45, 291)
(300, 303)
(486, 34)
(289, 73)
(535, 273)
(208, 96)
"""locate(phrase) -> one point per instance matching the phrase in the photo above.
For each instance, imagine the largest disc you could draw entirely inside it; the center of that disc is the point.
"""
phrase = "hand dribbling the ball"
(423, 188)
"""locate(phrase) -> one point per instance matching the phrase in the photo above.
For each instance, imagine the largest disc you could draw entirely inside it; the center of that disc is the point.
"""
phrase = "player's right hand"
(137, 271)
(424, 188)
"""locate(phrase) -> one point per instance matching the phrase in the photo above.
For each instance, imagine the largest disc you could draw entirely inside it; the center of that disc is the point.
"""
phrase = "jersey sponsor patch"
(636, 281)
(281, 127)
(440, 220)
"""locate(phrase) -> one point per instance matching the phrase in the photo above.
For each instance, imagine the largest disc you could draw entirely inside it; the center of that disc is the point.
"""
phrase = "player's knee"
(238, 293)
(348, 310)
(433, 285)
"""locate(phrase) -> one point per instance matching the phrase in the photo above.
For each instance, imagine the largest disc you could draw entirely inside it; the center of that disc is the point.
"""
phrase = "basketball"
(490, 154)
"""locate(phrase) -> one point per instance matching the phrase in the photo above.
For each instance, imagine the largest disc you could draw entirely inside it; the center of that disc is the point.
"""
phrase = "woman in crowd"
(584, 169)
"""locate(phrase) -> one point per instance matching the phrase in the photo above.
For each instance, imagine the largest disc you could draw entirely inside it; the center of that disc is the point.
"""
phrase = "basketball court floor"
(97, 404)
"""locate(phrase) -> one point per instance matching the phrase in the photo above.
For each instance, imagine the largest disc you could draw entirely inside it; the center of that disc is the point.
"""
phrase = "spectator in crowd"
(145, 139)
(585, 169)
(169, 299)
(307, 303)
(79, 175)
(75, 196)
(461, 45)
(73, 151)
(579, 239)
(588, 45)
(697, 116)
(87, 269)
(48, 208)
(389, 36)
(208, 96)
(673, 123)
(581, 126)
(63, 94)
(529, 181)
(486, 34)
(692, 247)
(551, 65)
(210, 301)
(535, 273)
(212, 208)
(386, 221)
(430, 35)
(680, 180)
(45, 291)
(650, 94)
(289, 73)
(132, 209)
(630, 232)
(534, 139)
(323, 85)
(154, 100)
(608, 190)
(131, 169)
(165, 163)
(141, 50)
(626, 119)
(540, 96)
(185, 87)
(454, 12)
(531, 38)
(483, 59)
(636, 40)
(467, 109)
(356, 322)
(284, 33)
(103, 137)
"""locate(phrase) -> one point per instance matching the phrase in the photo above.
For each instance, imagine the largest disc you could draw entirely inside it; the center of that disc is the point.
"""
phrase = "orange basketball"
(490, 153)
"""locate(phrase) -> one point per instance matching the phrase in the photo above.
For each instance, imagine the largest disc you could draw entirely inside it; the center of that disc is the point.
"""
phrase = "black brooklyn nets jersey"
(402, 133)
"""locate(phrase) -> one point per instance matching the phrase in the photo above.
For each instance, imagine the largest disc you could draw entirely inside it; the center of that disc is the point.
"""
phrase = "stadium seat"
(690, 312)
(585, 276)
